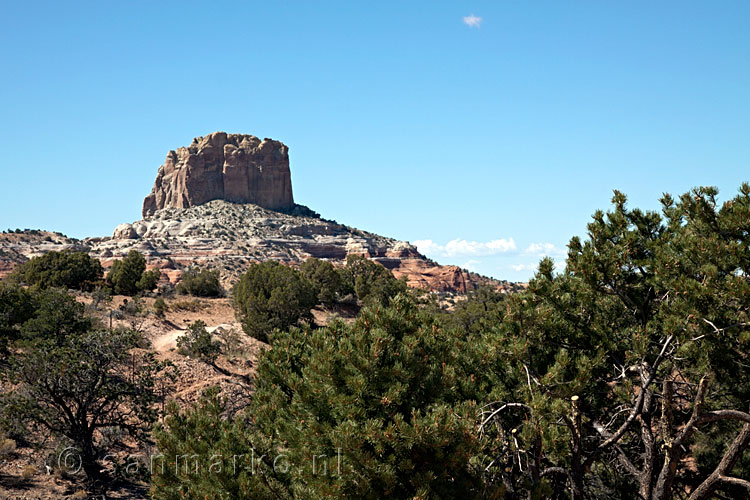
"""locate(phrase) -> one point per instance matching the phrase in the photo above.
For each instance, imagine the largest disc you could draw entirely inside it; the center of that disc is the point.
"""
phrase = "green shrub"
(197, 343)
(160, 307)
(234, 345)
(99, 295)
(200, 283)
(373, 283)
(66, 269)
(330, 282)
(271, 295)
(129, 276)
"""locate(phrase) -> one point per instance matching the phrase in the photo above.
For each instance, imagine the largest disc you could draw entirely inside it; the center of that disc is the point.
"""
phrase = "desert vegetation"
(618, 373)
(71, 378)
(200, 283)
(130, 277)
(66, 269)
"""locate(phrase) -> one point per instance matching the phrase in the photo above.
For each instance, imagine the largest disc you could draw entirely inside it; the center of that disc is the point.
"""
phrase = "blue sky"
(489, 140)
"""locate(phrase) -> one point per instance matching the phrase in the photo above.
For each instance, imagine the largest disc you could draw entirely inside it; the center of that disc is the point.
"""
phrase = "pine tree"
(368, 410)
(607, 374)
(204, 454)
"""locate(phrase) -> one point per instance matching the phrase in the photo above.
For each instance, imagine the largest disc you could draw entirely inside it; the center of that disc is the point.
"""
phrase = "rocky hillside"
(228, 236)
(20, 245)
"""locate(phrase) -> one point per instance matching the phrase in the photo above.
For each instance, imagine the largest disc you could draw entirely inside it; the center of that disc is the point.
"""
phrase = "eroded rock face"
(238, 168)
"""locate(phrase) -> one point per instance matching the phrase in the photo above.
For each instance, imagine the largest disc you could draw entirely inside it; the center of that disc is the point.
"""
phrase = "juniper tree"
(76, 388)
(56, 316)
(16, 307)
(271, 295)
(66, 269)
(149, 280)
(200, 283)
(129, 276)
(371, 281)
(29, 314)
(331, 283)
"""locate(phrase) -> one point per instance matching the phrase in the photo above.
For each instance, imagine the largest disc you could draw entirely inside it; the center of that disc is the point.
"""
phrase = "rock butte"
(234, 167)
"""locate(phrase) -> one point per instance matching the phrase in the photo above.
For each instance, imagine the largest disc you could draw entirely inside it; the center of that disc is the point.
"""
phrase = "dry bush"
(192, 305)
(7, 446)
(28, 472)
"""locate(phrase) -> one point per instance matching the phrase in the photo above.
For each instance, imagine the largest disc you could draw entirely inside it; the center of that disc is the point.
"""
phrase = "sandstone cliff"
(233, 167)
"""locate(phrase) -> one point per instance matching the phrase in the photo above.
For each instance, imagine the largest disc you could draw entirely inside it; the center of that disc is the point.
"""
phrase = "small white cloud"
(472, 21)
(524, 267)
(471, 265)
(427, 247)
(540, 249)
(458, 247)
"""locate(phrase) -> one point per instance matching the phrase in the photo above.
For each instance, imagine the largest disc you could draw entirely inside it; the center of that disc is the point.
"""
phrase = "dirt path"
(167, 341)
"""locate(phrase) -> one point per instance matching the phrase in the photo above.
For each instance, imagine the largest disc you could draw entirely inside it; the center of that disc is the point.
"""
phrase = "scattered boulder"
(125, 232)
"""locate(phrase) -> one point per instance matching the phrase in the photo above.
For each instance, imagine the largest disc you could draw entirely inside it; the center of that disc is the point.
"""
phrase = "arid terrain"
(23, 471)
(222, 203)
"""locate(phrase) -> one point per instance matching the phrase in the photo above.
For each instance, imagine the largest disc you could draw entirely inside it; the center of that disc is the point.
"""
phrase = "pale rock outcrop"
(125, 232)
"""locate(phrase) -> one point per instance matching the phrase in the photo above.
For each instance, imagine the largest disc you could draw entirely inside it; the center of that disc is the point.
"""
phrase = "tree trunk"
(720, 475)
